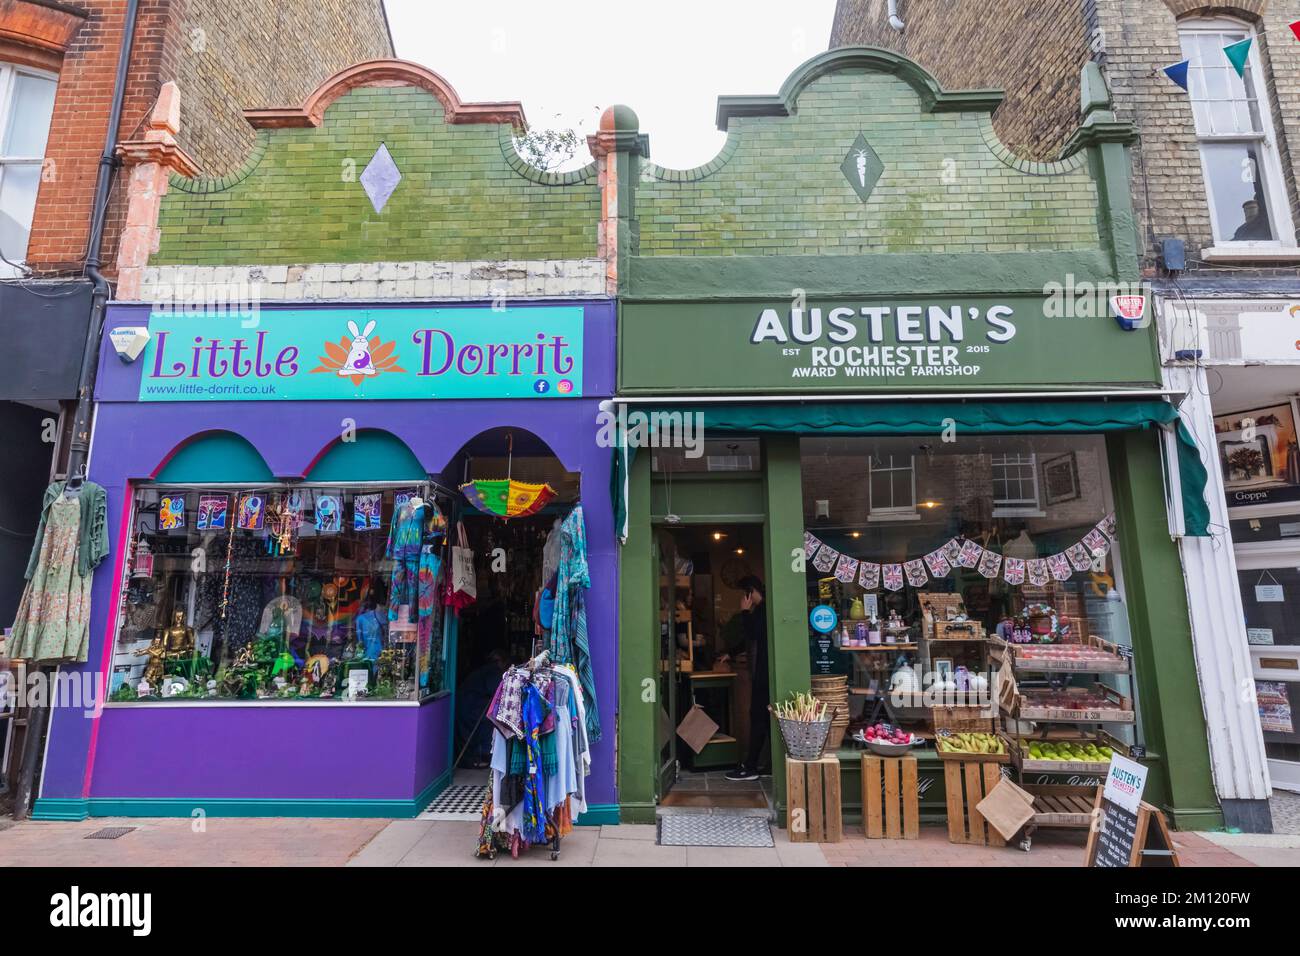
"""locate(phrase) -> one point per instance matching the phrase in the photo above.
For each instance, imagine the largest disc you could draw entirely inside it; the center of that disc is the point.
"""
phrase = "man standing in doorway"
(754, 626)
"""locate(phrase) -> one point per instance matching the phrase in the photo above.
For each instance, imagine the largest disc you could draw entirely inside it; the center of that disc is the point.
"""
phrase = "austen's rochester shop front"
(862, 359)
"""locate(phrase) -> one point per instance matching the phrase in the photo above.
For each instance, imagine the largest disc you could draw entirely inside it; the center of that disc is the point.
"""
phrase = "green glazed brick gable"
(948, 185)
(464, 195)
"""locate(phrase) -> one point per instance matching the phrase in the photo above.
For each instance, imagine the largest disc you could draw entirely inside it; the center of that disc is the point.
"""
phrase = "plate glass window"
(26, 105)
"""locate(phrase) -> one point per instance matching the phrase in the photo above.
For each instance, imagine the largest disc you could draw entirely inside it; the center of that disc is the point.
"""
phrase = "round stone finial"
(619, 119)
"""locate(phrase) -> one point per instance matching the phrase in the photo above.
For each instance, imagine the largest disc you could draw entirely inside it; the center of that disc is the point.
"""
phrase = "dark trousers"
(760, 725)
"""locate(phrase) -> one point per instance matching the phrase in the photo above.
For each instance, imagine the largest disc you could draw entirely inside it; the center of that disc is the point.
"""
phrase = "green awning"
(921, 418)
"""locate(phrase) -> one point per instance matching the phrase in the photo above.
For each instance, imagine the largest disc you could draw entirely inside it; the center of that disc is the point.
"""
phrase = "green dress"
(53, 621)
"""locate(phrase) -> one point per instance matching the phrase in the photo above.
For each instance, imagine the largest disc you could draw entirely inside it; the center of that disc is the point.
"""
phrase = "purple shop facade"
(321, 758)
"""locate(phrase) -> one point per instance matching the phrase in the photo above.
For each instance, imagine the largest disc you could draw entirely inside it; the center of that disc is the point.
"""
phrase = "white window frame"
(891, 512)
(1266, 140)
(1017, 507)
(8, 71)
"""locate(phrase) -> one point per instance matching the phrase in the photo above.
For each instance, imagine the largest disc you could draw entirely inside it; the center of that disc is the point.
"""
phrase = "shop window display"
(932, 565)
(282, 593)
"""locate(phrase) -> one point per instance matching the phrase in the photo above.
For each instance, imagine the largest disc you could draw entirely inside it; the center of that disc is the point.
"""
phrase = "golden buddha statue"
(179, 638)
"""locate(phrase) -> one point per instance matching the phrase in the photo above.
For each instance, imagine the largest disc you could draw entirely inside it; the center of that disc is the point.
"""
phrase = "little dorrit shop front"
(329, 525)
(894, 397)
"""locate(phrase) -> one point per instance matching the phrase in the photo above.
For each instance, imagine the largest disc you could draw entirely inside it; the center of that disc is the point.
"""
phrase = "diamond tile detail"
(862, 167)
(380, 178)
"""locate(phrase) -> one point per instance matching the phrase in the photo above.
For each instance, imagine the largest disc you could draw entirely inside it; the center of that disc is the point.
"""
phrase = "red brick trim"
(35, 57)
(44, 26)
(387, 73)
(1250, 10)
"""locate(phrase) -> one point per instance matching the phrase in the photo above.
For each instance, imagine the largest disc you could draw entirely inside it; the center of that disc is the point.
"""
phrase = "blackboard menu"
(1116, 836)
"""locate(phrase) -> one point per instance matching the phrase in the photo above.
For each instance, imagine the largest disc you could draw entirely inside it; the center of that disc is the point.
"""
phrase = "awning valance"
(919, 418)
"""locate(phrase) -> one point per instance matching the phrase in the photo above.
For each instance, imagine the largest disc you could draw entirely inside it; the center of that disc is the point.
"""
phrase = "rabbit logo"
(360, 357)
(359, 354)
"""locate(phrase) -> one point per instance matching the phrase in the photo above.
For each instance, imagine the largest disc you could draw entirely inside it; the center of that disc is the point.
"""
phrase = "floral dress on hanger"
(53, 622)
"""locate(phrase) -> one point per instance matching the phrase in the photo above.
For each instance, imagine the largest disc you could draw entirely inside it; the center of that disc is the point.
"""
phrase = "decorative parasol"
(505, 497)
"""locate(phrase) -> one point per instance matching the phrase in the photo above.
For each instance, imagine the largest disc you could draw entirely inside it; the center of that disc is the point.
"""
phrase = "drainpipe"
(894, 20)
(38, 718)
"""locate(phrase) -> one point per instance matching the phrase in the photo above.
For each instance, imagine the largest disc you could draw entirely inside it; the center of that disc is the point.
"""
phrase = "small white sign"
(1259, 635)
(357, 681)
(1269, 594)
(1125, 781)
(1289, 529)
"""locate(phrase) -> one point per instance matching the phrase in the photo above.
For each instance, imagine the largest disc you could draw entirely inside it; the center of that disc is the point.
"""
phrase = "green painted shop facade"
(877, 309)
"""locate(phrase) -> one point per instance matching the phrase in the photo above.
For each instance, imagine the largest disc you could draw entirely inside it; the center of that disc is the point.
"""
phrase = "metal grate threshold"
(110, 833)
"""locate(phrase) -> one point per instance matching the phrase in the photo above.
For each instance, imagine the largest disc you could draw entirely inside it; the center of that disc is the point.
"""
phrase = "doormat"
(457, 802)
(110, 833)
(713, 829)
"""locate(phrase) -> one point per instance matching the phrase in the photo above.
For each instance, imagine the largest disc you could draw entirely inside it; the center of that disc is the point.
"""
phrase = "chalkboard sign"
(1122, 838)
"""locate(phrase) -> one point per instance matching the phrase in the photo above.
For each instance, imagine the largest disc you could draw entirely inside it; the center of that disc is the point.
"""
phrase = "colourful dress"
(53, 622)
(569, 643)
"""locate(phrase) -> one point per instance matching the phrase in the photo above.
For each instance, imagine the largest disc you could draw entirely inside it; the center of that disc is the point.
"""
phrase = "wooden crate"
(1019, 747)
(1120, 711)
(960, 757)
(966, 783)
(891, 803)
(963, 718)
(813, 810)
(1061, 806)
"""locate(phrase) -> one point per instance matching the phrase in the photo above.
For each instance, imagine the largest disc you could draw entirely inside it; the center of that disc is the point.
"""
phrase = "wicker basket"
(833, 690)
(804, 739)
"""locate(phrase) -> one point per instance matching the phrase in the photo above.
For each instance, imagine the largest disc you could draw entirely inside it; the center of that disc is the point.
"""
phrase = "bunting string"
(959, 552)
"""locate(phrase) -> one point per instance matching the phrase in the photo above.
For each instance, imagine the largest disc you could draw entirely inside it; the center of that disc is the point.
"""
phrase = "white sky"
(669, 60)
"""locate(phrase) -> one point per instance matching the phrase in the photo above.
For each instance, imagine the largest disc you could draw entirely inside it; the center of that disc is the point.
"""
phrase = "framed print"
(1061, 479)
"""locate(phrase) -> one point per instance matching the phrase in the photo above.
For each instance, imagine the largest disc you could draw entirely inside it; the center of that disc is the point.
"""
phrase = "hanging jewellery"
(225, 583)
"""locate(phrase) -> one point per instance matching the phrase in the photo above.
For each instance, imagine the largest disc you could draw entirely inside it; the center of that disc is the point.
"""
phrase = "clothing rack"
(502, 828)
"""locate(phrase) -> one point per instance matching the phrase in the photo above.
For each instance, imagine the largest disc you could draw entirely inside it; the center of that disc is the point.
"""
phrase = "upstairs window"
(892, 487)
(1015, 483)
(1234, 128)
(26, 105)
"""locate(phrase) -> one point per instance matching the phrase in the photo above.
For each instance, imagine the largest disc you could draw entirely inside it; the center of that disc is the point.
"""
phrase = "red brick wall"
(226, 55)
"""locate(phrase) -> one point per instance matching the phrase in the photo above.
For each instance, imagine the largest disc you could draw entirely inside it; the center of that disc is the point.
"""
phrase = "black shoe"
(741, 773)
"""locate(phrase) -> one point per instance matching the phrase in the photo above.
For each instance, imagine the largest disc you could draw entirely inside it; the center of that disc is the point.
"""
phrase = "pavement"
(406, 843)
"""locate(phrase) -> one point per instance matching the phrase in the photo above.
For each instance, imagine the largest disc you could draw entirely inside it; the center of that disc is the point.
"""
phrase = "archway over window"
(214, 457)
(372, 455)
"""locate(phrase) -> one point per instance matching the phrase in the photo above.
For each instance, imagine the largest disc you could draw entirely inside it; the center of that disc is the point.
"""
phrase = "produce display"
(970, 743)
(885, 734)
(801, 707)
(1073, 698)
(1063, 652)
(1069, 751)
(1072, 657)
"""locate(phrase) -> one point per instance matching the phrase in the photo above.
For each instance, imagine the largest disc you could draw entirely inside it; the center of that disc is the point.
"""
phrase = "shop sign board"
(360, 353)
(904, 344)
